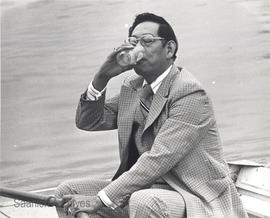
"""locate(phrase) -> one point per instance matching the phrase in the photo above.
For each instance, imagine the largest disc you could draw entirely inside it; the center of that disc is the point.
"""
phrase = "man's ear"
(171, 47)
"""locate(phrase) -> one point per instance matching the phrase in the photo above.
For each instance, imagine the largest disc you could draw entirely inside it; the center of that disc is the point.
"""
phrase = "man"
(170, 151)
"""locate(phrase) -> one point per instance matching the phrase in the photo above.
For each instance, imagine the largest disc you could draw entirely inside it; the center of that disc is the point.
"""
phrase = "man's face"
(154, 58)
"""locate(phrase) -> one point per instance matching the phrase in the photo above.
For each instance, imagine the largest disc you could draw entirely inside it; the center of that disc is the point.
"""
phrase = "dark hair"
(165, 30)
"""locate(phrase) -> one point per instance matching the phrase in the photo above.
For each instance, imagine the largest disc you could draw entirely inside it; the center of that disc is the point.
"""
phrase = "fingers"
(111, 68)
(125, 46)
(67, 197)
(81, 213)
(68, 207)
(129, 67)
(71, 206)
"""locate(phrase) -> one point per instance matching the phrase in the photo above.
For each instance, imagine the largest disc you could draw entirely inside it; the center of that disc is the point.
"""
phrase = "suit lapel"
(160, 98)
(130, 100)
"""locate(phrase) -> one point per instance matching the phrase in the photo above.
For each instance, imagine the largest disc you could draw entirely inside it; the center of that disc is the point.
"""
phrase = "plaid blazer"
(181, 143)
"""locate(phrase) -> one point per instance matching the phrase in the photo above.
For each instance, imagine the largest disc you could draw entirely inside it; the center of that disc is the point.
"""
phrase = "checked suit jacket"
(180, 141)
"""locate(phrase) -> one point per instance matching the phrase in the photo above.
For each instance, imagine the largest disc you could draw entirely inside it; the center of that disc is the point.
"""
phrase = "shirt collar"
(156, 84)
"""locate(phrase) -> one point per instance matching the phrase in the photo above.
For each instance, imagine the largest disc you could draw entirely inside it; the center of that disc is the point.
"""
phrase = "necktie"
(146, 96)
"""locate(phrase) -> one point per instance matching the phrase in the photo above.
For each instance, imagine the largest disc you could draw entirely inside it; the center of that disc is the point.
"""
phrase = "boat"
(252, 181)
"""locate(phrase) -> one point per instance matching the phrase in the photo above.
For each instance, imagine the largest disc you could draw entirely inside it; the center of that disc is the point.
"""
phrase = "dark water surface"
(50, 50)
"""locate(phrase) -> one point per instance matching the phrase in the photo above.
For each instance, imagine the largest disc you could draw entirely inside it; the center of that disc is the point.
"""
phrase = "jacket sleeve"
(189, 119)
(97, 115)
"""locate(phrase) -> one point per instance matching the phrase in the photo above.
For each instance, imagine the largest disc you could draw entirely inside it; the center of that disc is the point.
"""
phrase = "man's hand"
(110, 68)
(80, 203)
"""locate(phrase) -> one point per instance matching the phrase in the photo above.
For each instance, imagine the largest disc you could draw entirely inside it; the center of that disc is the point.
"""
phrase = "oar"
(36, 198)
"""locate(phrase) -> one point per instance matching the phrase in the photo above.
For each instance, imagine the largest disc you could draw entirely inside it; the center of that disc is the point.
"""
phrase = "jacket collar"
(137, 81)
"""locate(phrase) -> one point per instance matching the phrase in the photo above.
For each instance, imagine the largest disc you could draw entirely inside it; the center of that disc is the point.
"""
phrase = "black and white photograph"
(135, 109)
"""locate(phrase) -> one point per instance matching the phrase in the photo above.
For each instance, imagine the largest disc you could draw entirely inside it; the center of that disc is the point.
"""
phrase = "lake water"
(51, 49)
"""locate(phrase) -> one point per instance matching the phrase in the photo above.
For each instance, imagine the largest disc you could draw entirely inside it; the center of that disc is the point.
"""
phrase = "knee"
(64, 188)
(84, 186)
(139, 200)
(142, 204)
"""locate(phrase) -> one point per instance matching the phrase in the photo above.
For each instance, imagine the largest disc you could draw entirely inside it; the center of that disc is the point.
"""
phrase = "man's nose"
(139, 45)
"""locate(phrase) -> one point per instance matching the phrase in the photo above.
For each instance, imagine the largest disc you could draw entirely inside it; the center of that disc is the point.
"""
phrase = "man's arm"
(92, 112)
(97, 115)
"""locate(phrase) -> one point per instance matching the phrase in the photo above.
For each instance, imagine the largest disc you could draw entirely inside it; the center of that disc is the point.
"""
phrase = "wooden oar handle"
(36, 198)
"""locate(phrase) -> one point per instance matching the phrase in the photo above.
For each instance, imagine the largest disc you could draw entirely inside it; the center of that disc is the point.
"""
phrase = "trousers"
(159, 201)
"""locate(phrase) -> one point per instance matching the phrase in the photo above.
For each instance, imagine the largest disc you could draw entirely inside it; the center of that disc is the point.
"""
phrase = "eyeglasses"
(145, 40)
